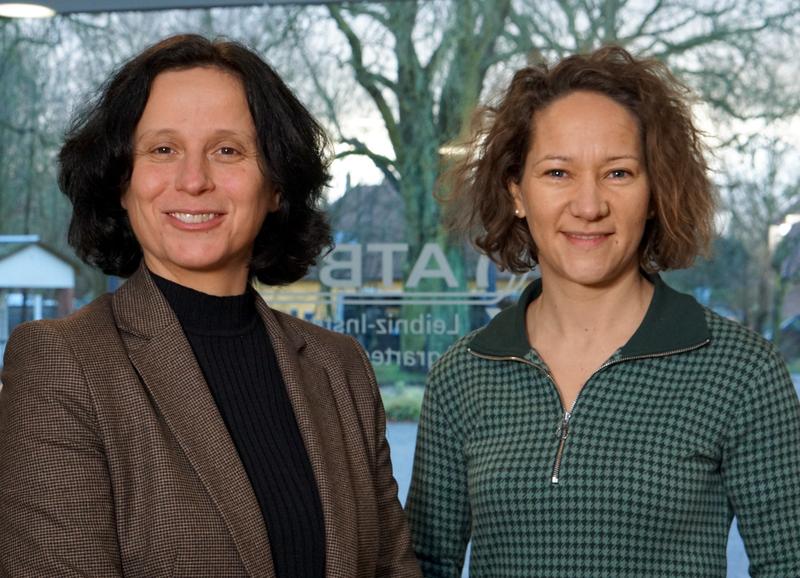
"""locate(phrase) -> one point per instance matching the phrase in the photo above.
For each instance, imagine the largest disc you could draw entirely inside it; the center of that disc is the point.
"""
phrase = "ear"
(275, 199)
(123, 199)
(516, 195)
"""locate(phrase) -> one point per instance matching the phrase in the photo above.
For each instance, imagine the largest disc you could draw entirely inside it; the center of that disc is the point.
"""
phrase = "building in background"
(36, 282)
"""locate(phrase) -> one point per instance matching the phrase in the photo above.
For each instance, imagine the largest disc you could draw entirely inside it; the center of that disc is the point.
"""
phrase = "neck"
(217, 283)
(567, 310)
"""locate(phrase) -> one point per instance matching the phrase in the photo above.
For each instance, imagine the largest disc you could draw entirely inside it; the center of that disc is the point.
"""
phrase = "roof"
(9, 249)
(35, 267)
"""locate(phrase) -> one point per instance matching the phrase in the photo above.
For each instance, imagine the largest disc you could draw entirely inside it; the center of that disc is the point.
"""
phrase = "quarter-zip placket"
(562, 431)
(563, 428)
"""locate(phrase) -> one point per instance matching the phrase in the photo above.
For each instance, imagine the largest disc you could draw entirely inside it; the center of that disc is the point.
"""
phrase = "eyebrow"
(623, 157)
(563, 158)
(220, 133)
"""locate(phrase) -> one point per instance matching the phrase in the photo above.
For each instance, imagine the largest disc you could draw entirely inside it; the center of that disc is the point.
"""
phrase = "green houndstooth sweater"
(693, 421)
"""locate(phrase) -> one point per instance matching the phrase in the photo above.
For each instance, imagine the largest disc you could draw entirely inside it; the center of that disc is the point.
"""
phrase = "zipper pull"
(561, 433)
(563, 426)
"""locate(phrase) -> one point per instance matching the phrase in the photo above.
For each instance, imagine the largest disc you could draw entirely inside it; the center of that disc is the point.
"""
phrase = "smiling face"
(197, 195)
(584, 190)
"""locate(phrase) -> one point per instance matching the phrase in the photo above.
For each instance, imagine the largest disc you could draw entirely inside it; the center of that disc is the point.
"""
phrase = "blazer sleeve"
(438, 501)
(761, 469)
(56, 506)
(395, 556)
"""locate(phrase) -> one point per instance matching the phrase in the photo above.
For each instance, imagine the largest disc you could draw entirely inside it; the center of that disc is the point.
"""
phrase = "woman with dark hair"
(606, 425)
(181, 427)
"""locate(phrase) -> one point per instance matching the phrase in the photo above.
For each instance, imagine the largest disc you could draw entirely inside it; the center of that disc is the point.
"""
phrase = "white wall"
(35, 268)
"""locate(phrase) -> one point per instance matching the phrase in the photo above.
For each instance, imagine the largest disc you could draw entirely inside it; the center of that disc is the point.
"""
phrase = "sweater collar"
(200, 312)
(674, 321)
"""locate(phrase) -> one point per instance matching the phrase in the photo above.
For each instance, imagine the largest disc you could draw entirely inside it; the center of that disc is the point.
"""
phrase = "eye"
(163, 150)
(619, 173)
(556, 173)
(227, 153)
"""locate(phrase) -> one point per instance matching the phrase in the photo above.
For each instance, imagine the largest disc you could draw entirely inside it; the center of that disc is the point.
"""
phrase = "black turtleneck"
(235, 354)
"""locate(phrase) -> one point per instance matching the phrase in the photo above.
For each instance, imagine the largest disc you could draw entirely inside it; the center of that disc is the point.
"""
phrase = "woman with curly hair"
(181, 427)
(606, 425)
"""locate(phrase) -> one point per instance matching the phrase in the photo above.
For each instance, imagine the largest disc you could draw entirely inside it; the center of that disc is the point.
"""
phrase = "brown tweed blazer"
(114, 460)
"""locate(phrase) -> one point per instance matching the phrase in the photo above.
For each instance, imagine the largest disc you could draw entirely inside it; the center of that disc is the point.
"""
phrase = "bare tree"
(758, 195)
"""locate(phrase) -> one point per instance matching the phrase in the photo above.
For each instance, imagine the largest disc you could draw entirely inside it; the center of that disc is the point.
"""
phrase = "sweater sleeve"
(438, 502)
(761, 470)
(56, 505)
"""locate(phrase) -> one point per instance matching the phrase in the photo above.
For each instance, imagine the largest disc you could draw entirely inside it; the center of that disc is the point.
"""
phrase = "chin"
(590, 276)
(600, 279)
(196, 262)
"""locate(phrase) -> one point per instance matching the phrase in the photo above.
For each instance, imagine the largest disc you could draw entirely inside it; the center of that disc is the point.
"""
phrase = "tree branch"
(718, 34)
(321, 91)
(369, 81)
(640, 30)
(439, 55)
(384, 163)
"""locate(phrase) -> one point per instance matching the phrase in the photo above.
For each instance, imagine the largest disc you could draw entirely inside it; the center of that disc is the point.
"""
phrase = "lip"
(586, 239)
(194, 220)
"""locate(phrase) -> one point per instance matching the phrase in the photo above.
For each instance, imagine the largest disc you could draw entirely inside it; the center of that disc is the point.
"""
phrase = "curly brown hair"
(478, 201)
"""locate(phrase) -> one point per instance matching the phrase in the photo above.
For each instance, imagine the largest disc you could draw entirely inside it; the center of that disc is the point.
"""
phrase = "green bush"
(402, 403)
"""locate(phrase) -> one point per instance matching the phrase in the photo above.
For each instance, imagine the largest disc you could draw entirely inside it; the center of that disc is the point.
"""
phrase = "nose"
(193, 175)
(588, 202)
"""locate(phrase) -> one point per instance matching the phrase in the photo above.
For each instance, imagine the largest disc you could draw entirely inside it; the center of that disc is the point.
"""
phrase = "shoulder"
(457, 358)
(457, 374)
(48, 336)
(738, 343)
(730, 351)
(43, 358)
(749, 365)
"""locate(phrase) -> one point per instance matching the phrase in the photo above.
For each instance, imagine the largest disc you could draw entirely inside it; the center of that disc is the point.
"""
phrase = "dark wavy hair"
(96, 161)
(682, 198)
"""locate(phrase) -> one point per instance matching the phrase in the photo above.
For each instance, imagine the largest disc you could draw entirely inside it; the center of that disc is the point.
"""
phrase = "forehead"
(199, 94)
(583, 119)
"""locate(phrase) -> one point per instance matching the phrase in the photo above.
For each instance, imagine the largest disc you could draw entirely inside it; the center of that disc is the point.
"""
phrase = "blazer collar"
(163, 358)
(674, 322)
(311, 390)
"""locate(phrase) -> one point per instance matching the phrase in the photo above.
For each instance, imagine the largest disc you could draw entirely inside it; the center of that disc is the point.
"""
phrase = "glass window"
(394, 83)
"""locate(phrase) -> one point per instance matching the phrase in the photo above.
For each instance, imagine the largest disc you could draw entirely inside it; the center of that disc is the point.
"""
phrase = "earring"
(516, 212)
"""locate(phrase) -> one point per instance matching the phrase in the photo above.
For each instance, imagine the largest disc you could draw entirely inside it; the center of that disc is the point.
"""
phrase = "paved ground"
(401, 439)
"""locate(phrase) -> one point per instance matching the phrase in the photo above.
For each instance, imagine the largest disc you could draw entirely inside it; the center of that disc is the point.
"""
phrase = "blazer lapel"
(163, 357)
(313, 400)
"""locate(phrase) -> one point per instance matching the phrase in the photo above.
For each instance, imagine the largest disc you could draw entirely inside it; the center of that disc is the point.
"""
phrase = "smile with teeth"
(193, 218)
